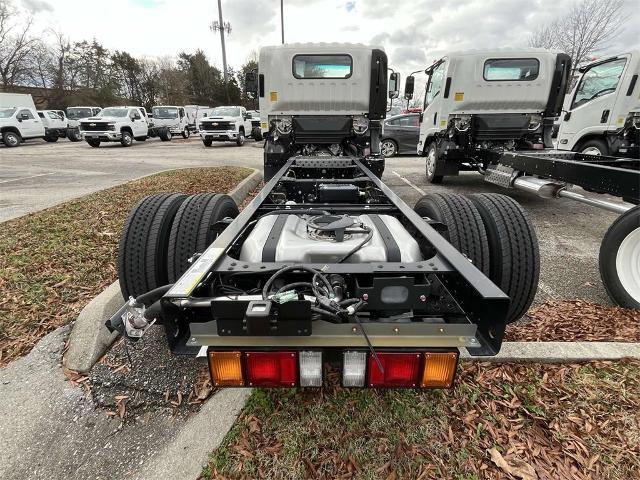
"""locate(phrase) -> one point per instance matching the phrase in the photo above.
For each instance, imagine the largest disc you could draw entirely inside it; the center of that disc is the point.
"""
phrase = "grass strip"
(53, 262)
(501, 421)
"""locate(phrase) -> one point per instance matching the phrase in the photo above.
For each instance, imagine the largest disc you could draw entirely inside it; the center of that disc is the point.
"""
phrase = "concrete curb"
(560, 352)
(187, 453)
(90, 339)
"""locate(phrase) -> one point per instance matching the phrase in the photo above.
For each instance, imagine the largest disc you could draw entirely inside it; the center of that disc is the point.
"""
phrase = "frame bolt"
(354, 329)
(396, 329)
(423, 298)
(365, 296)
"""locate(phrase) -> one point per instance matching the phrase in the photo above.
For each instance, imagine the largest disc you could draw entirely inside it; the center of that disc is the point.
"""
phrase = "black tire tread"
(191, 230)
(514, 252)
(143, 243)
(465, 228)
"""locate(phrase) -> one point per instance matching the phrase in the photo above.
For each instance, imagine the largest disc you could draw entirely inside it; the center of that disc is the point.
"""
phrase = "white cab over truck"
(120, 124)
(602, 113)
(476, 102)
(74, 116)
(195, 113)
(173, 117)
(19, 120)
(55, 125)
(225, 124)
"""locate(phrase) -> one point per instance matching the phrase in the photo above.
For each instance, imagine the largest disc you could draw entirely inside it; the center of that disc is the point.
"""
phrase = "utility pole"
(282, 19)
(219, 25)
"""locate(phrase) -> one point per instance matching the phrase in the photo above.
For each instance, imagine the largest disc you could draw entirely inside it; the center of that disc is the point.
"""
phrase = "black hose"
(360, 245)
(291, 286)
(267, 285)
(154, 295)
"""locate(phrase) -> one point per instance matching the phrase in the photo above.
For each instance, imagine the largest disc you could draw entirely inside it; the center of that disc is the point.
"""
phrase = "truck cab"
(225, 124)
(18, 124)
(55, 125)
(173, 117)
(477, 102)
(602, 113)
(74, 116)
(351, 78)
(115, 124)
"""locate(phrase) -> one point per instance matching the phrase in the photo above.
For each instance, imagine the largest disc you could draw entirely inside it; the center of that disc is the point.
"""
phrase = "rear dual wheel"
(163, 231)
(496, 235)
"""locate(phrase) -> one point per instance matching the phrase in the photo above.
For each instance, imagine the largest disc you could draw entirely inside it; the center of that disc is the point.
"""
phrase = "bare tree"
(16, 45)
(586, 29)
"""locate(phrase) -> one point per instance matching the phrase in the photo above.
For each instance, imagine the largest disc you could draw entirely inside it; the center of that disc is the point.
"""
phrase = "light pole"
(281, 19)
(222, 27)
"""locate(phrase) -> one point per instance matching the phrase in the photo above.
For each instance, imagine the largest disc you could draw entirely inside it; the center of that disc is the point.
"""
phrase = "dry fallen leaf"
(518, 468)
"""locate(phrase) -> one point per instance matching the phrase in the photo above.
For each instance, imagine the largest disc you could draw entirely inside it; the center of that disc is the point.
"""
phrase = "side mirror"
(251, 83)
(394, 81)
(567, 116)
(408, 87)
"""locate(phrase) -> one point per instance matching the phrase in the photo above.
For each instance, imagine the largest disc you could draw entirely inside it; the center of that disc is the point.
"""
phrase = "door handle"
(605, 116)
(435, 118)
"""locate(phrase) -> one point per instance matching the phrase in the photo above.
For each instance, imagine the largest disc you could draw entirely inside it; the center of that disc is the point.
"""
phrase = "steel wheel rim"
(388, 148)
(592, 151)
(12, 140)
(628, 264)
(431, 162)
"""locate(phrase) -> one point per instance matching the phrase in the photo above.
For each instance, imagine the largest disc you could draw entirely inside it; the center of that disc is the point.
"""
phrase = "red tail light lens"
(271, 369)
(400, 370)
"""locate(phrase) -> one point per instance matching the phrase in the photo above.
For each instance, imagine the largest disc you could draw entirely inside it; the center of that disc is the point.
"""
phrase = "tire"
(127, 139)
(94, 143)
(185, 133)
(74, 135)
(619, 259)
(514, 257)
(142, 253)
(432, 164)
(11, 139)
(207, 142)
(594, 147)
(192, 228)
(51, 139)
(465, 229)
(388, 148)
(240, 138)
(257, 134)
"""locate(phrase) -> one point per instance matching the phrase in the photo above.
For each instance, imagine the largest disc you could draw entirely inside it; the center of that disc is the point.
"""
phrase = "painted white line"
(418, 189)
(26, 178)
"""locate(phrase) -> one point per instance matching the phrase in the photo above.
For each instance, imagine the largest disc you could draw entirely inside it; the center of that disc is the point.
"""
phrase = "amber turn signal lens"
(226, 369)
(439, 369)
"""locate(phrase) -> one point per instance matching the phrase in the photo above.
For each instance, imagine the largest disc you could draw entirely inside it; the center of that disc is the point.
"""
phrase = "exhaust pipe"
(549, 189)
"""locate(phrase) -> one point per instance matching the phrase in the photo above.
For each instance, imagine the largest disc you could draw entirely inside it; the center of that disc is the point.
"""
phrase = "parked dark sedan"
(400, 134)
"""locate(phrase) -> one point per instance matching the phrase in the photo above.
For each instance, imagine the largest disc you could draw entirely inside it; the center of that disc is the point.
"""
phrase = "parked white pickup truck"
(173, 117)
(120, 124)
(225, 124)
(74, 116)
(18, 124)
(55, 126)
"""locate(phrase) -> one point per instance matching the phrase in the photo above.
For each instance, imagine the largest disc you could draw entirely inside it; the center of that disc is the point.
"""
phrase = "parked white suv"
(74, 116)
(173, 117)
(225, 124)
(115, 124)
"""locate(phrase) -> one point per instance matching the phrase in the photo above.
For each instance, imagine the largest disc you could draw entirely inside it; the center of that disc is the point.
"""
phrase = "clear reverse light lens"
(310, 369)
(354, 368)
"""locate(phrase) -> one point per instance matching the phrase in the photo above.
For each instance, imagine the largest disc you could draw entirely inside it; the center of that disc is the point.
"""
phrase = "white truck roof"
(285, 94)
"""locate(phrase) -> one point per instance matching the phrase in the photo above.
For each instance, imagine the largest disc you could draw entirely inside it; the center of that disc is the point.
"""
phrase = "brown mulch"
(54, 261)
(508, 421)
(577, 320)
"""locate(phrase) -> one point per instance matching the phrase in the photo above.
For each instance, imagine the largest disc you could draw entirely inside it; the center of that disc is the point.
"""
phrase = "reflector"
(225, 368)
(354, 366)
(271, 369)
(310, 369)
(400, 369)
(439, 369)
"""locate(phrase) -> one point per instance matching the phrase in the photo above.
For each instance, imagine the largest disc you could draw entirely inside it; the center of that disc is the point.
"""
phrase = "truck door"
(138, 123)
(431, 113)
(30, 125)
(592, 103)
(245, 121)
(183, 117)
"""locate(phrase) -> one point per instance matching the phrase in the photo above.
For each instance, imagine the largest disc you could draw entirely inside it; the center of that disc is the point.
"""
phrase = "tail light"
(439, 369)
(271, 369)
(399, 370)
(226, 369)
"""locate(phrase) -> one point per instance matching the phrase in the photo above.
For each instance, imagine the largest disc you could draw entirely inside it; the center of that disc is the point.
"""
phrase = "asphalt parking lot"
(39, 175)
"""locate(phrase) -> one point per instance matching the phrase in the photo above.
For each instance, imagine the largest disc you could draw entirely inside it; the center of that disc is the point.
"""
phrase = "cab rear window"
(511, 69)
(322, 66)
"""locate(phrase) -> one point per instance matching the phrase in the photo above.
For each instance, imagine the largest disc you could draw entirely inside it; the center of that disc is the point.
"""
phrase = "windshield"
(7, 112)
(599, 80)
(114, 112)
(225, 112)
(165, 112)
(76, 113)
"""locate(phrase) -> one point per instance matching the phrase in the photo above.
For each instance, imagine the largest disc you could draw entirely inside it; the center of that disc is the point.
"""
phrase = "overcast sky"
(413, 32)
